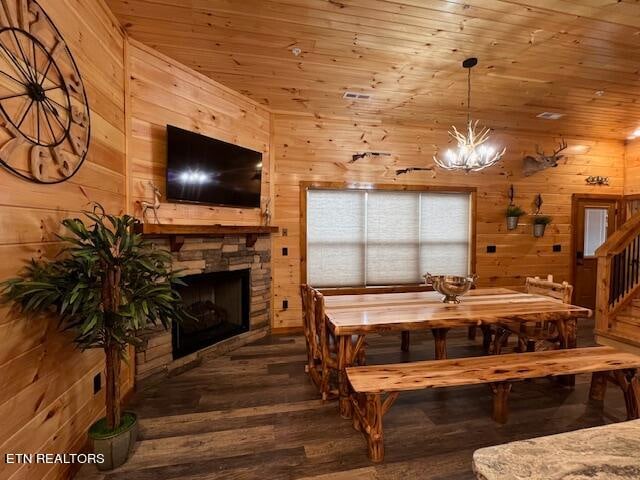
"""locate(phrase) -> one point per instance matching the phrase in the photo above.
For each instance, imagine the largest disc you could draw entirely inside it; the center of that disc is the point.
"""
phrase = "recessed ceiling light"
(356, 96)
(296, 51)
(550, 115)
(599, 93)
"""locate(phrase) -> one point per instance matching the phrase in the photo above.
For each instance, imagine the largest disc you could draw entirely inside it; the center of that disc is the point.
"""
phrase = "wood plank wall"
(46, 395)
(318, 149)
(632, 168)
(163, 91)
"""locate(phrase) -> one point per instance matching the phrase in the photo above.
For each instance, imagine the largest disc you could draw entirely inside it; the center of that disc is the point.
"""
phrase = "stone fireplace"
(228, 289)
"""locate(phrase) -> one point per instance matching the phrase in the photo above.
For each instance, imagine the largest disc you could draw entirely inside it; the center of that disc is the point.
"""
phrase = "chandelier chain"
(468, 94)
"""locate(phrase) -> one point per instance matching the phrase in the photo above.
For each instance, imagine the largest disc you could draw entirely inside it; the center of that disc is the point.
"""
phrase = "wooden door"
(594, 219)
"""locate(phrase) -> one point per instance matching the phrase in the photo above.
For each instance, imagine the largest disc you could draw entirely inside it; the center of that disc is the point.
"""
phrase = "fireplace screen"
(220, 302)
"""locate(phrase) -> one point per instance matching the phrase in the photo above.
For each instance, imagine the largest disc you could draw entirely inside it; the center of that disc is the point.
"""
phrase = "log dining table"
(352, 317)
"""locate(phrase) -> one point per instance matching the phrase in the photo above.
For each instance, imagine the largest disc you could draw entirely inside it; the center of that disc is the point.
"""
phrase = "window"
(384, 237)
(596, 224)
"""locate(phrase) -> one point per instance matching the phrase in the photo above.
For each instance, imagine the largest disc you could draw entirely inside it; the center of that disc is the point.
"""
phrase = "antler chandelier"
(472, 154)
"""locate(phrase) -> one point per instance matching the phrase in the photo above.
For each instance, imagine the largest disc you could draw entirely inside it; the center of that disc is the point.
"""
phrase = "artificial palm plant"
(106, 284)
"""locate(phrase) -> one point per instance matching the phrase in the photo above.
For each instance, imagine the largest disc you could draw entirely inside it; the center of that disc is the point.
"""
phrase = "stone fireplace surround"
(154, 359)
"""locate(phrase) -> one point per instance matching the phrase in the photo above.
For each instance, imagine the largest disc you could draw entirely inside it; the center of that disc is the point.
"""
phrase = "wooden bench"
(375, 388)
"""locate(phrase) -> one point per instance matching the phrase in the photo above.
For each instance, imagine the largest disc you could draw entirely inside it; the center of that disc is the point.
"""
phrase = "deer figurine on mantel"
(533, 164)
(153, 206)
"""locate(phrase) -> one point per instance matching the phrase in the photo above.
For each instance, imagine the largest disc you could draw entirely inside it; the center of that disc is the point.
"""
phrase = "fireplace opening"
(220, 303)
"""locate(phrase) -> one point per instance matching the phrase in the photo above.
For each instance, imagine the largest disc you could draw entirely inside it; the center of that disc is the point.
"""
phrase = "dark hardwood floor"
(253, 414)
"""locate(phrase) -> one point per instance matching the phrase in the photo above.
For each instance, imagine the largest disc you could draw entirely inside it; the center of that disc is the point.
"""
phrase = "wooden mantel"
(177, 233)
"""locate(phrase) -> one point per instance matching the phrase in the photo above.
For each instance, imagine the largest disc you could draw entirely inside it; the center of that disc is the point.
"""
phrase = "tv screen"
(204, 170)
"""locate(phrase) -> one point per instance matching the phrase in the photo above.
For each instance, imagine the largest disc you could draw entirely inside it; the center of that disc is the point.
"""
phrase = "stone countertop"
(610, 452)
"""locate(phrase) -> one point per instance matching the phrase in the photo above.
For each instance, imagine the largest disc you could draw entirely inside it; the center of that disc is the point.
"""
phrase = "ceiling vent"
(550, 115)
(356, 96)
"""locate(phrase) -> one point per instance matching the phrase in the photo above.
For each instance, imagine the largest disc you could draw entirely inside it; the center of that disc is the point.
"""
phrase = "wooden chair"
(535, 336)
(322, 359)
(314, 357)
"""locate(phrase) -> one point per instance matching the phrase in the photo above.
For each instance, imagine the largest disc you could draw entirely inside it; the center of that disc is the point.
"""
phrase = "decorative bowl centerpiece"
(451, 286)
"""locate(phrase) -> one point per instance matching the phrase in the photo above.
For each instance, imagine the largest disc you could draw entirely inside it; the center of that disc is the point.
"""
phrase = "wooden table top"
(360, 314)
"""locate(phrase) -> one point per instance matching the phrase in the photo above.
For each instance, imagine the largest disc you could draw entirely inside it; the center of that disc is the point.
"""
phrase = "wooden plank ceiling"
(580, 58)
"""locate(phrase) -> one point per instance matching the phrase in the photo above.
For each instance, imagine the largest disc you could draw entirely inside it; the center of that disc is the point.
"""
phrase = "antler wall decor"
(597, 180)
(533, 164)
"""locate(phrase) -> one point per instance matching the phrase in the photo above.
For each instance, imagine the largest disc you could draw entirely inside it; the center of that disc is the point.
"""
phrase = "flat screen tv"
(204, 170)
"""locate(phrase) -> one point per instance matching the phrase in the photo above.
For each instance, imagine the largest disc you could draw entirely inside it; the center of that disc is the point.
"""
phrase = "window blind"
(380, 237)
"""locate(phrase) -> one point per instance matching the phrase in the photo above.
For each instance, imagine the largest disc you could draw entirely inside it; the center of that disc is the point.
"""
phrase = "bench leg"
(628, 382)
(406, 340)
(500, 401)
(375, 440)
(598, 386)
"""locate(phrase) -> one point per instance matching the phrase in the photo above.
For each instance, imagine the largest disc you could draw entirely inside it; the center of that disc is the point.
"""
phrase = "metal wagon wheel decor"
(44, 113)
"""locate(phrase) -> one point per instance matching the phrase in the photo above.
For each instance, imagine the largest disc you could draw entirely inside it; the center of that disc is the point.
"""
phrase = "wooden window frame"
(411, 287)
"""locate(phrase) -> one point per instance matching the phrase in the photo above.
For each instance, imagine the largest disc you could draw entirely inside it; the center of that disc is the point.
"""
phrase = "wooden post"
(440, 341)
(375, 440)
(598, 386)
(406, 341)
(500, 401)
(602, 293)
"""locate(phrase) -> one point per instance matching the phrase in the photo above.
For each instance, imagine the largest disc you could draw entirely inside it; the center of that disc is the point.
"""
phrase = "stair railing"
(618, 277)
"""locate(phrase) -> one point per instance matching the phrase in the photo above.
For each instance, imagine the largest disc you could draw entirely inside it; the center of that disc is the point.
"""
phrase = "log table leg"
(471, 333)
(344, 347)
(406, 340)
(486, 338)
(568, 330)
(440, 340)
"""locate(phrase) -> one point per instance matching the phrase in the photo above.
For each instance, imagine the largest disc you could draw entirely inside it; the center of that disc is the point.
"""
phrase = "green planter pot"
(512, 223)
(115, 447)
(538, 230)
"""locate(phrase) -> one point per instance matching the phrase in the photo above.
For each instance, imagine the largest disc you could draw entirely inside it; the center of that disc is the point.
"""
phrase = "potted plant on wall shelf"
(106, 285)
(540, 223)
(513, 214)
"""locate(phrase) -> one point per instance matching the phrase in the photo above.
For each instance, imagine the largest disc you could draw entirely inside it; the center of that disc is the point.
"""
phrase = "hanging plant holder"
(514, 212)
(540, 223)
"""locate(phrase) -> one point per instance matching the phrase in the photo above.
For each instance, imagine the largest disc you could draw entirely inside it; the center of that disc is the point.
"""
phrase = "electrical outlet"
(557, 247)
(491, 249)
(97, 383)
(285, 232)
